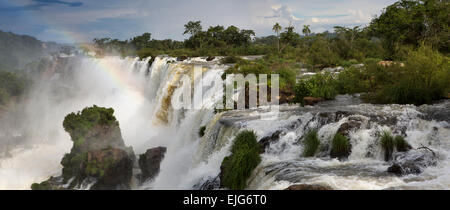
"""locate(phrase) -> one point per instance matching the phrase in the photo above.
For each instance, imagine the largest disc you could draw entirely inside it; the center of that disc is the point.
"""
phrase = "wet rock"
(150, 161)
(413, 161)
(311, 101)
(349, 126)
(111, 167)
(182, 58)
(209, 184)
(308, 187)
(266, 141)
(210, 58)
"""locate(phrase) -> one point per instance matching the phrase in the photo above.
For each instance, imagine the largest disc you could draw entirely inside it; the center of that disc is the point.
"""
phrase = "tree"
(306, 30)
(277, 28)
(141, 41)
(289, 37)
(192, 28)
(408, 22)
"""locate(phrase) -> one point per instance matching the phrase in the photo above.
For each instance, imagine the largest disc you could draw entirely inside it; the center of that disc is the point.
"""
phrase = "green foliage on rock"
(11, 85)
(340, 147)
(79, 124)
(311, 144)
(245, 156)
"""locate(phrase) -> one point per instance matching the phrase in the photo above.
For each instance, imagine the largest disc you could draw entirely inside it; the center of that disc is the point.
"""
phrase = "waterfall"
(34, 141)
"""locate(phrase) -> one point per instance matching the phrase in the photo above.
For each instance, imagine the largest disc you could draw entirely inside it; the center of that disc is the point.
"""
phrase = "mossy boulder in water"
(98, 152)
(237, 168)
(340, 147)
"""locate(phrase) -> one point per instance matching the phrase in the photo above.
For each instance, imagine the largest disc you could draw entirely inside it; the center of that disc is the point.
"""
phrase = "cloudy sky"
(69, 21)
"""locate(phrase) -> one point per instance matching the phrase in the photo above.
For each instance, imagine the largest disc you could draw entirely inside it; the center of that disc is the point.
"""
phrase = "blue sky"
(69, 21)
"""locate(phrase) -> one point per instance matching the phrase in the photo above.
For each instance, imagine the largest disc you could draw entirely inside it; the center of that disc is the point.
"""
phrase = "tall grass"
(311, 144)
(244, 158)
(340, 147)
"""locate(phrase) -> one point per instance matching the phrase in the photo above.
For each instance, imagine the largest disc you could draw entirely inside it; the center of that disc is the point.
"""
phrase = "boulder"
(266, 141)
(99, 158)
(111, 167)
(311, 101)
(150, 161)
(308, 187)
(349, 126)
(413, 161)
(210, 58)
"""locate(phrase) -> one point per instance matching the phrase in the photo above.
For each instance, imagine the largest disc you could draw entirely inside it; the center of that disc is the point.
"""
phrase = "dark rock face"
(413, 162)
(150, 161)
(182, 58)
(349, 126)
(266, 141)
(210, 58)
(111, 167)
(209, 184)
(308, 187)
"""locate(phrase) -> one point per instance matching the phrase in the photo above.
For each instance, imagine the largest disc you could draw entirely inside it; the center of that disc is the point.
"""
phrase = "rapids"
(33, 141)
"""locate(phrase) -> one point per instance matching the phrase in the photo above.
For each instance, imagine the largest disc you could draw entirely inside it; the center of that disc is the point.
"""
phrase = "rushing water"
(33, 141)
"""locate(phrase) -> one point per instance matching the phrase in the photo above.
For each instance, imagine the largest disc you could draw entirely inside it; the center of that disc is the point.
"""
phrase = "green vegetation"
(11, 85)
(244, 158)
(79, 124)
(201, 131)
(311, 144)
(387, 144)
(414, 33)
(340, 147)
(318, 86)
(409, 22)
(45, 185)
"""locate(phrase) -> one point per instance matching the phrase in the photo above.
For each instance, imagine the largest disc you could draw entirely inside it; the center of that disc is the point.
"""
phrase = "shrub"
(340, 147)
(351, 81)
(231, 59)
(302, 89)
(323, 86)
(244, 158)
(287, 77)
(387, 144)
(201, 131)
(311, 144)
(423, 79)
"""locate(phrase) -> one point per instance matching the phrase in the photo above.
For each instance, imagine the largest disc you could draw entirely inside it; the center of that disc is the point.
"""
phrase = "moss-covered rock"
(237, 168)
(98, 153)
(311, 144)
(340, 147)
